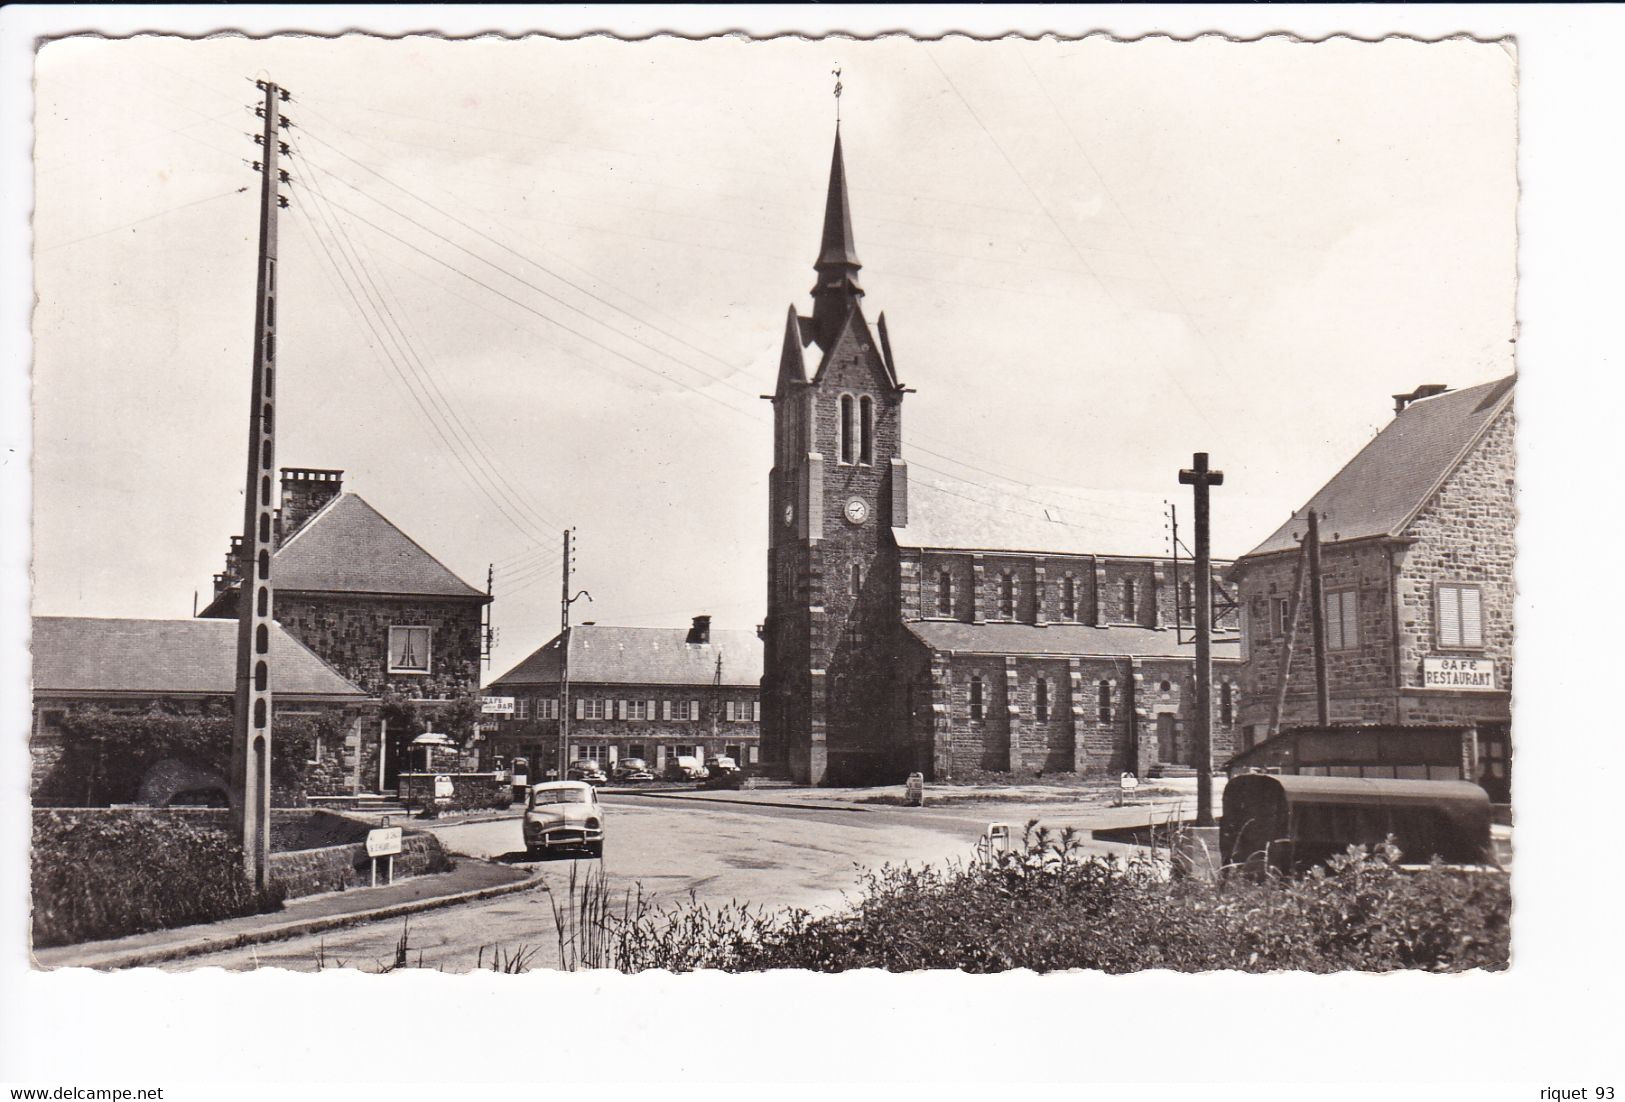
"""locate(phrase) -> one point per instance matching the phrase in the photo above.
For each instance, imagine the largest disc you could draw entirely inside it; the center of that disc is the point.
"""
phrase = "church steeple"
(838, 263)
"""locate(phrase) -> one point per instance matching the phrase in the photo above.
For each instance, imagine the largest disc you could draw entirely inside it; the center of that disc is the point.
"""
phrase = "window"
(1130, 608)
(683, 709)
(845, 429)
(1069, 598)
(521, 707)
(594, 708)
(976, 705)
(1227, 703)
(1041, 700)
(637, 709)
(635, 750)
(945, 593)
(409, 650)
(595, 753)
(1280, 617)
(866, 449)
(547, 707)
(1342, 620)
(1007, 594)
(1460, 616)
(1104, 696)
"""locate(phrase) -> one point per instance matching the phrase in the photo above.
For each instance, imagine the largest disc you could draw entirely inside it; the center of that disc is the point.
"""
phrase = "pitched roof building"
(1418, 538)
(641, 692)
(924, 629)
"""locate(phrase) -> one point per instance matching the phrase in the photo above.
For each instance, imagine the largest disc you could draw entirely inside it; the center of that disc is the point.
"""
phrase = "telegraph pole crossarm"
(1200, 478)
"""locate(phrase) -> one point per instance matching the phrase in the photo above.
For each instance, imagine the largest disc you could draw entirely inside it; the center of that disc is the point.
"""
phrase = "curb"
(140, 958)
(694, 797)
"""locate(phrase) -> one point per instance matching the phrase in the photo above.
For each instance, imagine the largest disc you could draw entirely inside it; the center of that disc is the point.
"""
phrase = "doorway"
(1165, 738)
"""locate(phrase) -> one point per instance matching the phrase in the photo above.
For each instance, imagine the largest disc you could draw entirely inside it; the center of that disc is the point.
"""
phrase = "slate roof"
(1380, 491)
(1059, 639)
(349, 547)
(603, 654)
(77, 654)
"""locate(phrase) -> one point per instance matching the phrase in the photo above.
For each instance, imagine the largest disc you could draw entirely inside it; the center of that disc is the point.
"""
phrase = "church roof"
(838, 246)
(966, 517)
(78, 654)
(1082, 640)
(349, 547)
(605, 654)
(1380, 491)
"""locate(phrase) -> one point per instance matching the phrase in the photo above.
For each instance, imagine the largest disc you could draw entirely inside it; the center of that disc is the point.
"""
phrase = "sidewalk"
(471, 880)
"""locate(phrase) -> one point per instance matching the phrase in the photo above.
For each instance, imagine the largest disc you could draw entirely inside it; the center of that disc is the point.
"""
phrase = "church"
(929, 632)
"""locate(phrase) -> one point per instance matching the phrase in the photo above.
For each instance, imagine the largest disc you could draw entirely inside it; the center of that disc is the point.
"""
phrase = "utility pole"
(716, 698)
(565, 601)
(1293, 614)
(251, 719)
(1200, 478)
(1317, 617)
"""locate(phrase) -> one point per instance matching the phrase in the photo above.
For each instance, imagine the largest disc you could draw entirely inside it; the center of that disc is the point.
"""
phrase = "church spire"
(838, 263)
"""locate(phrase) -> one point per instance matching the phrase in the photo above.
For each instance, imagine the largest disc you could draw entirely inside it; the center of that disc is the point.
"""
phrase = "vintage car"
(632, 770)
(587, 770)
(685, 768)
(564, 815)
(721, 763)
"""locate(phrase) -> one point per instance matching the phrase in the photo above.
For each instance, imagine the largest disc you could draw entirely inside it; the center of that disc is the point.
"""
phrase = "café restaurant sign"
(1476, 675)
(496, 705)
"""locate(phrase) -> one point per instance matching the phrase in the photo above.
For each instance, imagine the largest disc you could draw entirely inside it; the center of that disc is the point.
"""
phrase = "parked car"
(721, 763)
(685, 768)
(633, 770)
(564, 815)
(587, 770)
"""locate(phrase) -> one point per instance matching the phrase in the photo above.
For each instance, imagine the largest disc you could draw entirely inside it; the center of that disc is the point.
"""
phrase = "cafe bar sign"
(1473, 675)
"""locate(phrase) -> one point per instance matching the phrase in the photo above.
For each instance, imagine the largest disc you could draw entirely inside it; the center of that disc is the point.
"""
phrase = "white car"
(564, 815)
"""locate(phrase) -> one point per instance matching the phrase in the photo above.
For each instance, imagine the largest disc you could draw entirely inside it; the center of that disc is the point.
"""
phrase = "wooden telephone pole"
(251, 727)
(1317, 617)
(1200, 478)
(565, 601)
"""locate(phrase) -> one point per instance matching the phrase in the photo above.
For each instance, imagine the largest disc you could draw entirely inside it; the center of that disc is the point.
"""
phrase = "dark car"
(587, 770)
(633, 770)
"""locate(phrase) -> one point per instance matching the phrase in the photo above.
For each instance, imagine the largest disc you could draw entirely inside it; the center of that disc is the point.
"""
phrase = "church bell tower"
(838, 486)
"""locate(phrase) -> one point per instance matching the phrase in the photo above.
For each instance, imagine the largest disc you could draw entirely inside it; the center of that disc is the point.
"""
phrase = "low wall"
(468, 791)
(335, 868)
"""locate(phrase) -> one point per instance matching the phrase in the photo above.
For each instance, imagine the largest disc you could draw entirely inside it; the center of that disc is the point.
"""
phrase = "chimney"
(1426, 390)
(701, 631)
(304, 491)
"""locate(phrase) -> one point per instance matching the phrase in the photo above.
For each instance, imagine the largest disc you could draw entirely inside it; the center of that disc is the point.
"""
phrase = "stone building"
(1418, 541)
(650, 693)
(185, 667)
(929, 631)
(372, 604)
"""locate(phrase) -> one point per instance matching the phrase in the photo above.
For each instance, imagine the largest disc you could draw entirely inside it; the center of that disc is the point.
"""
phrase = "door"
(1165, 738)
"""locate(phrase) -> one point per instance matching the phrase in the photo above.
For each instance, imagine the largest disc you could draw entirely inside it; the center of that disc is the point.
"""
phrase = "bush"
(1048, 907)
(103, 874)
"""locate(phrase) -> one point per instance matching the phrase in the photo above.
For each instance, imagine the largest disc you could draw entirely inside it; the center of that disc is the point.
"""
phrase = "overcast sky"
(1095, 258)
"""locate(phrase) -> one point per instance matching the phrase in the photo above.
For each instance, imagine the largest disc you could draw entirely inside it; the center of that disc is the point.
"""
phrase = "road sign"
(384, 842)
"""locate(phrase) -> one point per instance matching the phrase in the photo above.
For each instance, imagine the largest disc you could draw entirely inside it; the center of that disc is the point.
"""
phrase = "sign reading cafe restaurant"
(1461, 674)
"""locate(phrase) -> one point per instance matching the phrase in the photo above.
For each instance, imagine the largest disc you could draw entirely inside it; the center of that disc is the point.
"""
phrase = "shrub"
(103, 874)
(1046, 906)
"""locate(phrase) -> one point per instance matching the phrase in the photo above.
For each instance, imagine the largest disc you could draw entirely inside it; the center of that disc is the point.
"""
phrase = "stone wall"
(351, 634)
(337, 868)
(468, 791)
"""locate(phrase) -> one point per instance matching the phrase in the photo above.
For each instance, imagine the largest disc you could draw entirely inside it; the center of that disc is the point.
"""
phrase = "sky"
(1095, 258)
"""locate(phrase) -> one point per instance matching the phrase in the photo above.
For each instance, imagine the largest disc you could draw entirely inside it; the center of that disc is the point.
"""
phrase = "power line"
(140, 221)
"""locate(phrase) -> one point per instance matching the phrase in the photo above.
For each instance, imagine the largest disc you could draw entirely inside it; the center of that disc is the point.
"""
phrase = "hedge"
(100, 875)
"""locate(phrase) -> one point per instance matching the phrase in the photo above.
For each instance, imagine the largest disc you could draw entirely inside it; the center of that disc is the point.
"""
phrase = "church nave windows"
(945, 593)
(1007, 595)
(855, 426)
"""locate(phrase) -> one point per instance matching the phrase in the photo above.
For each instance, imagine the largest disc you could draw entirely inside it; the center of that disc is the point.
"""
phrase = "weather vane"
(837, 72)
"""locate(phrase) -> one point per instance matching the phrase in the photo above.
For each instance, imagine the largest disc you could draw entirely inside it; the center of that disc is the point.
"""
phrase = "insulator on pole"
(282, 201)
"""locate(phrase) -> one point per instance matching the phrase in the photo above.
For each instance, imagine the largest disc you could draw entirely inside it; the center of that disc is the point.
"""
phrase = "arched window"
(856, 585)
(976, 707)
(1227, 703)
(1105, 698)
(1041, 700)
(945, 593)
(846, 428)
(1069, 598)
(1007, 594)
(1130, 609)
(866, 449)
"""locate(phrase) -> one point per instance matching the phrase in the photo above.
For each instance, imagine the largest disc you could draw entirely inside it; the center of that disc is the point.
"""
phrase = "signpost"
(385, 843)
(1473, 675)
(1127, 786)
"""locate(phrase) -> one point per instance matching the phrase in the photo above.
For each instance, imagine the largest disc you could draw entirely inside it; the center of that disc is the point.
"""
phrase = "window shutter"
(665, 709)
(1449, 616)
(581, 704)
(1351, 618)
(694, 710)
(1472, 621)
(650, 713)
(1334, 620)
(730, 712)
(756, 713)
(621, 708)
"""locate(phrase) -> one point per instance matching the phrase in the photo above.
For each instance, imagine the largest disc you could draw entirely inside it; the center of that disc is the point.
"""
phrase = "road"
(668, 849)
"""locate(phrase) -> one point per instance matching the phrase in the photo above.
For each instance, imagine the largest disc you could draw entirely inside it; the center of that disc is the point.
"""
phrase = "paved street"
(720, 852)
